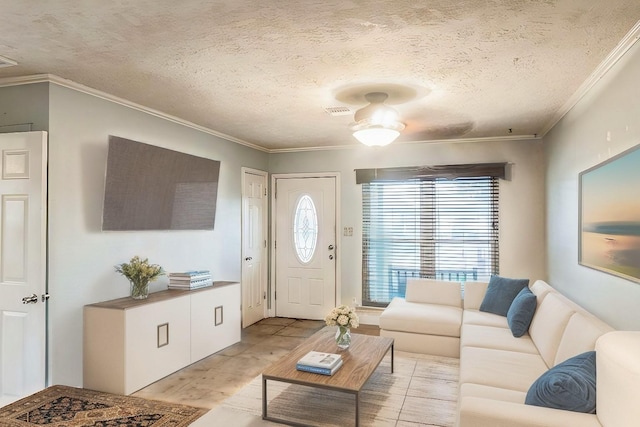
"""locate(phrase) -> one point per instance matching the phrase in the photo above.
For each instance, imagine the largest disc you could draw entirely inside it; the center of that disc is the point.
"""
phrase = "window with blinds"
(431, 228)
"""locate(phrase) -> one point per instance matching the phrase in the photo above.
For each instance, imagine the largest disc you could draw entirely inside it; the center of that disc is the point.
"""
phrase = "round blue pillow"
(570, 385)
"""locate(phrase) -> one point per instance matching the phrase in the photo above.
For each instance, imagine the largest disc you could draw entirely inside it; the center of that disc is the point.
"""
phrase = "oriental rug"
(63, 406)
(423, 391)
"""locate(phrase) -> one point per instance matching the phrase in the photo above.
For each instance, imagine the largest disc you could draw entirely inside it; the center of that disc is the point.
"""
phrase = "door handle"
(248, 258)
(31, 299)
(330, 247)
(330, 256)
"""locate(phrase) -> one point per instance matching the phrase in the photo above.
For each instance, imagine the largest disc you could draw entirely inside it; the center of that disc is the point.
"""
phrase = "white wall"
(604, 123)
(81, 256)
(522, 244)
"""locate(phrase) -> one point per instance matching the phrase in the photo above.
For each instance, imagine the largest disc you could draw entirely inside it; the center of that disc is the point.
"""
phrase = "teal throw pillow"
(570, 385)
(521, 312)
(500, 294)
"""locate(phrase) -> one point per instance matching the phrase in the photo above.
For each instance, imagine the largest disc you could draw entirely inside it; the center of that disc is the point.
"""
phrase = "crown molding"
(52, 78)
(512, 138)
(616, 54)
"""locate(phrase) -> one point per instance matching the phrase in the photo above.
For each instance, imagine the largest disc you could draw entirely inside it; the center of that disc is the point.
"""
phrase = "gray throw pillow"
(570, 385)
(521, 312)
(500, 294)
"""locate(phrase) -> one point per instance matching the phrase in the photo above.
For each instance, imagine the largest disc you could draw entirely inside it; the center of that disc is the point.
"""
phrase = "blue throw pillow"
(570, 385)
(501, 293)
(521, 312)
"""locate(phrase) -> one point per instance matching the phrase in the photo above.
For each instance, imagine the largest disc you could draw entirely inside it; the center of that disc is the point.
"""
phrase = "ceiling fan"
(379, 124)
(376, 124)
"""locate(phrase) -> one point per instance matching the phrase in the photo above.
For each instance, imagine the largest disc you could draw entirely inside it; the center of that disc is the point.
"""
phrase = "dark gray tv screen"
(153, 188)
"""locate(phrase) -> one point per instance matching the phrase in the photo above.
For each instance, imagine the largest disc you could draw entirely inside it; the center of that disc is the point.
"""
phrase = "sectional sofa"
(498, 370)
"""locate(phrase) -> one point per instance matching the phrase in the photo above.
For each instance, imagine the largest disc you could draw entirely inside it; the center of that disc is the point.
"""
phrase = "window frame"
(428, 218)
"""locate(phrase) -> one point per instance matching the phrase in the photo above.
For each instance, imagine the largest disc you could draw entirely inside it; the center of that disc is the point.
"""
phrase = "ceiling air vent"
(338, 111)
(6, 62)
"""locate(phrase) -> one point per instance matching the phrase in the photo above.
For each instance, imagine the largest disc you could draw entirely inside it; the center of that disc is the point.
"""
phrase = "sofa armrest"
(430, 291)
(474, 294)
(481, 412)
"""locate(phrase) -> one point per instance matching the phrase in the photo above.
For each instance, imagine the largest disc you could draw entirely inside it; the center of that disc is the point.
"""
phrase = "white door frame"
(272, 281)
(265, 222)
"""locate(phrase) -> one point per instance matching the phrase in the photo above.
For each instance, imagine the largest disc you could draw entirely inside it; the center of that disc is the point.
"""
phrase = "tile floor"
(211, 380)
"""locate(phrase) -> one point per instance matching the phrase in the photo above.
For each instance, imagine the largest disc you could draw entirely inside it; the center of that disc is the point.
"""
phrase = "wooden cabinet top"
(128, 302)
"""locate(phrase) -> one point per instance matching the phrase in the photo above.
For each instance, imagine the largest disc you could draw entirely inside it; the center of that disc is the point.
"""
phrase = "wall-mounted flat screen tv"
(153, 188)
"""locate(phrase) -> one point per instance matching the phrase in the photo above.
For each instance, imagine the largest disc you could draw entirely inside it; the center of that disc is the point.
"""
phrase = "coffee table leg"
(358, 409)
(392, 358)
(264, 398)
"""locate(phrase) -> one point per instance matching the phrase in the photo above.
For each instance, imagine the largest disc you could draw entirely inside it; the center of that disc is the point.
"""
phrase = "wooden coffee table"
(359, 362)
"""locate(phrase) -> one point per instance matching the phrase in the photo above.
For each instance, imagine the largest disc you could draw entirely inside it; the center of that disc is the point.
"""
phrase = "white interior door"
(305, 247)
(22, 264)
(254, 246)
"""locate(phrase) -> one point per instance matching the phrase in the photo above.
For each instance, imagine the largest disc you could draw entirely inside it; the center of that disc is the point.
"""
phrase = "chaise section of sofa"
(427, 320)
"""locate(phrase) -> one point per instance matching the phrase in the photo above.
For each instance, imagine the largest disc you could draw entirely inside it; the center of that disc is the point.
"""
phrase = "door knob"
(330, 256)
(31, 299)
(248, 258)
(330, 247)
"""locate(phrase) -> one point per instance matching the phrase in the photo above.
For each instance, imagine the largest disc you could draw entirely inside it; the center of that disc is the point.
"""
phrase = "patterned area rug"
(422, 392)
(62, 406)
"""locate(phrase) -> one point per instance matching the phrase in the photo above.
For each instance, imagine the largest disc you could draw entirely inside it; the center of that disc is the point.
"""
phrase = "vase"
(139, 290)
(343, 337)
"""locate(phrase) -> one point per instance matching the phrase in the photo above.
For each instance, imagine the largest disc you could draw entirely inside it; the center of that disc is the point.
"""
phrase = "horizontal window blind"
(436, 228)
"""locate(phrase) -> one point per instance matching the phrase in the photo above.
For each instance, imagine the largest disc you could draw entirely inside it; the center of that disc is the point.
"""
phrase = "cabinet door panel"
(157, 341)
(215, 320)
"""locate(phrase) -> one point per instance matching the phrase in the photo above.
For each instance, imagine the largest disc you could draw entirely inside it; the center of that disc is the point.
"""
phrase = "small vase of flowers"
(345, 318)
(140, 273)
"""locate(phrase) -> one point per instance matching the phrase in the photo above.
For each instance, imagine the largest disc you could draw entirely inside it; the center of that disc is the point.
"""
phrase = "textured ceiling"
(263, 72)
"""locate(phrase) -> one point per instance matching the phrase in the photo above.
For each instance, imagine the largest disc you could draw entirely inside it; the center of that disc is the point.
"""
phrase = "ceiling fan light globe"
(376, 136)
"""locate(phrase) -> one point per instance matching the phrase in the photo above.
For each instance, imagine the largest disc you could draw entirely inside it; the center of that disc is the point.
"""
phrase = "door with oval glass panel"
(305, 247)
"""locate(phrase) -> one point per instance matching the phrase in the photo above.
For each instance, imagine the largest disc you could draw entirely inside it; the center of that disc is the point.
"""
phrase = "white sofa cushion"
(419, 318)
(541, 288)
(548, 324)
(488, 392)
(580, 335)
(475, 317)
(434, 292)
(510, 370)
(481, 412)
(474, 294)
(618, 379)
(495, 337)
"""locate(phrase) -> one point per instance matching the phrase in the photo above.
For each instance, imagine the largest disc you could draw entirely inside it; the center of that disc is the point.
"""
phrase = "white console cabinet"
(129, 344)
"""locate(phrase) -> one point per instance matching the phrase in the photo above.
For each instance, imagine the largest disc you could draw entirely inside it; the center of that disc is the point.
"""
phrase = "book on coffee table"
(319, 359)
(321, 371)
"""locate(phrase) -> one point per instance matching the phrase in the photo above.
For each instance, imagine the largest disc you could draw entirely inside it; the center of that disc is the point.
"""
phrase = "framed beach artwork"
(610, 216)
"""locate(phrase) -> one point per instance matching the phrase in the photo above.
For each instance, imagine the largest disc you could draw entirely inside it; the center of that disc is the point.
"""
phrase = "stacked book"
(190, 279)
(320, 363)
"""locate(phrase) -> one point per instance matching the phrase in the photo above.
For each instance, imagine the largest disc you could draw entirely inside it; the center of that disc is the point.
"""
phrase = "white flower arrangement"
(343, 316)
